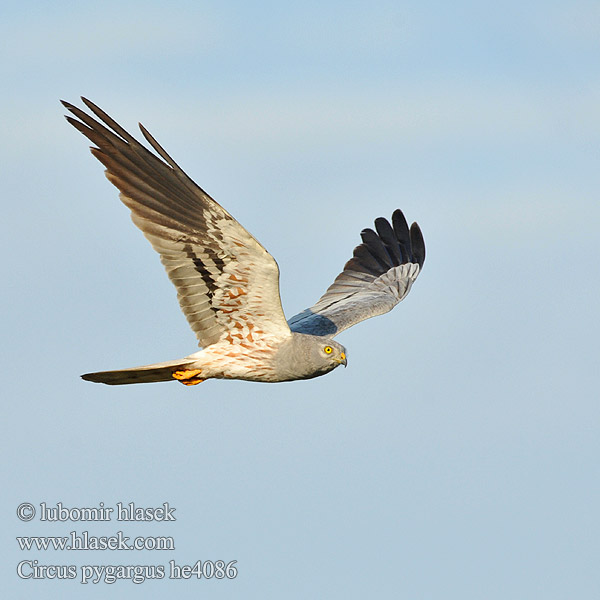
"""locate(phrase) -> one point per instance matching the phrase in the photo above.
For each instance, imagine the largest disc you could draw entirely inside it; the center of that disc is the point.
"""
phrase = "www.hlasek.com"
(31, 569)
(85, 541)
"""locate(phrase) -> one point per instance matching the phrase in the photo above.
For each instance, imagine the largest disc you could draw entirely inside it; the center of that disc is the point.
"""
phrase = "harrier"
(228, 284)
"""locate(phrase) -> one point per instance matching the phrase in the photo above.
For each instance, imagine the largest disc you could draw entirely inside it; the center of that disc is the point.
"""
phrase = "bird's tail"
(164, 371)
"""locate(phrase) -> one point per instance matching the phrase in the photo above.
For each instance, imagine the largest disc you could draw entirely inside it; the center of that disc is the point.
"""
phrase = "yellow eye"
(328, 349)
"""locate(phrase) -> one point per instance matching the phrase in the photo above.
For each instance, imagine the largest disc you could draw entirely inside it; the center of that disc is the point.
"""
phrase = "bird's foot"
(188, 376)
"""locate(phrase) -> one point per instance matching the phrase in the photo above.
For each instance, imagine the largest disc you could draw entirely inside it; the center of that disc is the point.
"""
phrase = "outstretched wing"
(373, 281)
(227, 283)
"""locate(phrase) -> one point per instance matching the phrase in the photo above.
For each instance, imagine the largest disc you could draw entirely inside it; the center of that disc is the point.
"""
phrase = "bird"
(228, 284)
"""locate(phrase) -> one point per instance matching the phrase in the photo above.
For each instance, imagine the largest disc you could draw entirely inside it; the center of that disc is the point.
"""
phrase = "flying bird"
(228, 284)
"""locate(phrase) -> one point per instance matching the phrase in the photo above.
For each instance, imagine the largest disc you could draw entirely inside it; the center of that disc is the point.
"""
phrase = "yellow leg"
(188, 376)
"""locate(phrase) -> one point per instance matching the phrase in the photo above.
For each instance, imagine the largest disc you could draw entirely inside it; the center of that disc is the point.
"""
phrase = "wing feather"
(225, 279)
(377, 277)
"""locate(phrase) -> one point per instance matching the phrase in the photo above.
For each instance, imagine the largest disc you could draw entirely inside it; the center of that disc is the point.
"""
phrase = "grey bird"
(228, 284)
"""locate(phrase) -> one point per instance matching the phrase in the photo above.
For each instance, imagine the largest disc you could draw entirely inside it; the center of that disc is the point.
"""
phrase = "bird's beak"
(343, 360)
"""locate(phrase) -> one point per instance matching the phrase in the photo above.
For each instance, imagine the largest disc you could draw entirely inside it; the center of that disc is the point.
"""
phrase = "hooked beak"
(342, 360)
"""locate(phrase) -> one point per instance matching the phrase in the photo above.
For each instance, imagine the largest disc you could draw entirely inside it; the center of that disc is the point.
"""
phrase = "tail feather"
(145, 374)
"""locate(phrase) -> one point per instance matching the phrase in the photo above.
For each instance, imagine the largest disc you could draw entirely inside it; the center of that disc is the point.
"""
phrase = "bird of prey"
(228, 284)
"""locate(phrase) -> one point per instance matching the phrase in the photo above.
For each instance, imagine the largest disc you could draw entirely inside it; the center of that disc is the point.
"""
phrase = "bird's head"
(332, 353)
(305, 356)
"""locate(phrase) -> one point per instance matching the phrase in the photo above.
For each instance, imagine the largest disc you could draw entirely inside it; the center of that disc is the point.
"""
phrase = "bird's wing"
(227, 283)
(379, 275)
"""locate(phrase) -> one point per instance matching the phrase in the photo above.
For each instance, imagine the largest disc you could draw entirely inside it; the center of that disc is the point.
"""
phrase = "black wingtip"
(392, 244)
(417, 244)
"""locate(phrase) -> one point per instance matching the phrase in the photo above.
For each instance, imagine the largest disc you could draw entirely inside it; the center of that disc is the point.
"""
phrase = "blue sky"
(457, 455)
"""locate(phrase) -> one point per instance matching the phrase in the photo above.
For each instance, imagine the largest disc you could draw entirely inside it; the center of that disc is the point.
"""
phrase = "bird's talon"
(192, 381)
(186, 375)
